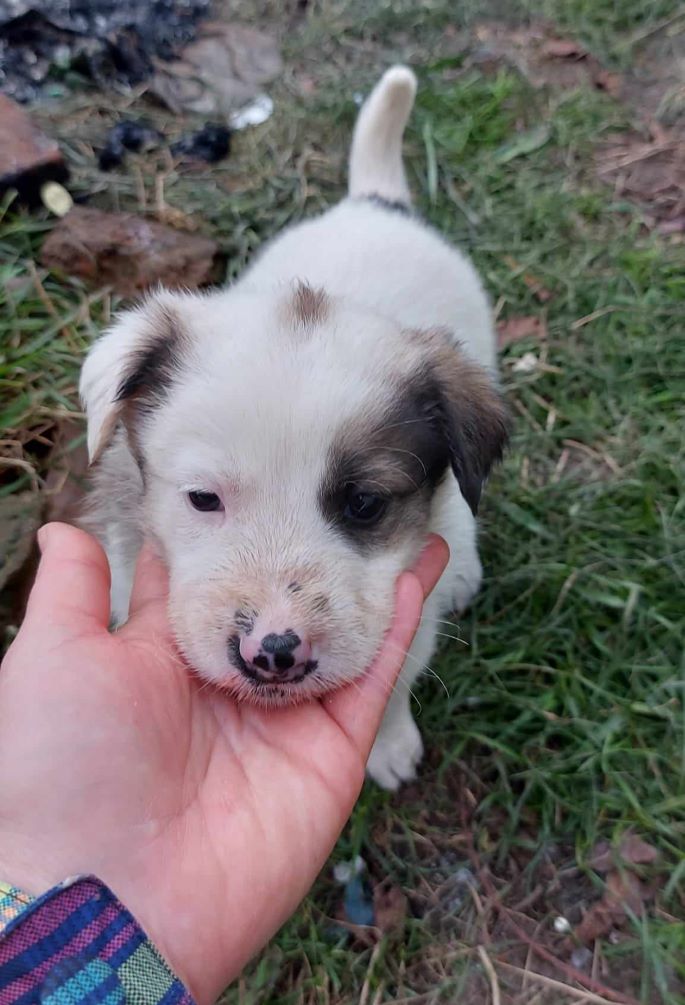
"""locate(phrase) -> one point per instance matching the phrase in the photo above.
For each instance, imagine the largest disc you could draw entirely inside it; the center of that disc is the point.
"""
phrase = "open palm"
(208, 819)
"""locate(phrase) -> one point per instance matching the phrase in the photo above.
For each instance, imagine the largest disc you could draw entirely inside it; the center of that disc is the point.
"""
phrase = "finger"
(71, 590)
(431, 563)
(359, 708)
(148, 606)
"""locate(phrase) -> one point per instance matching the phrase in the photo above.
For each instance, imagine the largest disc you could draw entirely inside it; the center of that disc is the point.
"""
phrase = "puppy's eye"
(363, 507)
(205, 502)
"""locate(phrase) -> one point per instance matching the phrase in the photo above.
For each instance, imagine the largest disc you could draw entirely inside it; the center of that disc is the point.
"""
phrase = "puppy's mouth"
(269, 679)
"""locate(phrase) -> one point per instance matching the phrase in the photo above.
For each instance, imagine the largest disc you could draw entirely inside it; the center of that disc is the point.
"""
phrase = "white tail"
(376, 156)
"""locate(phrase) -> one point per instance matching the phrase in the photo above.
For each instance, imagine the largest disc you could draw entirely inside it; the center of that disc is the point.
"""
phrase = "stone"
(128, 252)
(221, 71)
(28, 158)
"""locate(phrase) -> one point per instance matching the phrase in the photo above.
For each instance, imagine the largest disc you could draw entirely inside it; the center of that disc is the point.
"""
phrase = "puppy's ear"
(134, 361)
(470, 412)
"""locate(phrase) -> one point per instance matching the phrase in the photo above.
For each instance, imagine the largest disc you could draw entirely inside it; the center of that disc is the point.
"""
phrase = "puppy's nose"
(277, 658)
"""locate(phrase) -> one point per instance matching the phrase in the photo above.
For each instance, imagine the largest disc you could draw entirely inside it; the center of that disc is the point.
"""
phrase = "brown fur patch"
(396, 453)
(474, 417)
(152, 368)
(448, 413)
(309, 306)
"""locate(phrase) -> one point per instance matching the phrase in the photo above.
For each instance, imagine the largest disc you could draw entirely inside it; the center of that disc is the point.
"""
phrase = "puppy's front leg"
(398, 749)
(122, 546)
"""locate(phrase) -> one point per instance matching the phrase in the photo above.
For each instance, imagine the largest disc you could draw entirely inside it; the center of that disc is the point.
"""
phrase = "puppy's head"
(291, 449)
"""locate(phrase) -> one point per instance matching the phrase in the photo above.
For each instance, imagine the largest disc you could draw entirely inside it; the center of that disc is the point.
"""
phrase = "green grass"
(564, 718)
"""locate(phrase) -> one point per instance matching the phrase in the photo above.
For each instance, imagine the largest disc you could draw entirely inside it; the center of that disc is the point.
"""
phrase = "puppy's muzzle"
(273, 659)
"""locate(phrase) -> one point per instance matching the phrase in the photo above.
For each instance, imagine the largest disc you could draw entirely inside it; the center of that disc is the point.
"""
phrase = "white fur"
(252, 417)
(376, 153)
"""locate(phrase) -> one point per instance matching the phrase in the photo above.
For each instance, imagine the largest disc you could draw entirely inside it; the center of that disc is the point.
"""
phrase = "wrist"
(17, 874)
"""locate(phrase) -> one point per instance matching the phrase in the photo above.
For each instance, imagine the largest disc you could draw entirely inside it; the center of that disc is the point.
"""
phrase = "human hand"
(208, 819)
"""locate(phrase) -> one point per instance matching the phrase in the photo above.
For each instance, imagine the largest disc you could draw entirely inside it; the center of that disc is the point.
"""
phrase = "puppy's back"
(372, 249)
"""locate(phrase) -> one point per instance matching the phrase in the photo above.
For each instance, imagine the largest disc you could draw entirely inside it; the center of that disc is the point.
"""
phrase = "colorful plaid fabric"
(78, 945)
(12, 903)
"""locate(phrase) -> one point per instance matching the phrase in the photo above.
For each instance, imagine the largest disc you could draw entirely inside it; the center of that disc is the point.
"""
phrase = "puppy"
(289, 442)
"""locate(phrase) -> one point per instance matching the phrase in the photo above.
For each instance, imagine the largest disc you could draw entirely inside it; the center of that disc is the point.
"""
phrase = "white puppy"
(289, 442)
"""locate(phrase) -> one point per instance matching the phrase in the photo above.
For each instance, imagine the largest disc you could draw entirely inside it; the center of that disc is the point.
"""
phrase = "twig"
(566, 968)
(43, 295)
(492, 975)
(17, 462)
(644, 154)
(366, 986)
(571, 972)
(550, 982)
(642, 33)
(599, 313)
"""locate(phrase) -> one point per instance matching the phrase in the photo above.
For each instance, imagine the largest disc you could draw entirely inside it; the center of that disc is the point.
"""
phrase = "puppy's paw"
(396, 754)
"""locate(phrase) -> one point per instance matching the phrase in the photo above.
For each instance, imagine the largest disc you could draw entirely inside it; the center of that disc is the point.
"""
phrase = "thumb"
(71, 589)
(148, 607)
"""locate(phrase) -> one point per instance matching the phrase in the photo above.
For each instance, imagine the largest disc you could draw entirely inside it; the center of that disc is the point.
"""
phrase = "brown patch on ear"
(470, 412)
(156, 362)
(151, 370)
(309, 306)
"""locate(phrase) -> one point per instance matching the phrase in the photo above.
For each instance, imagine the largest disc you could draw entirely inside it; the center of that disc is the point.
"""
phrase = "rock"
(128, 252)
(28, 158)
(222, 70)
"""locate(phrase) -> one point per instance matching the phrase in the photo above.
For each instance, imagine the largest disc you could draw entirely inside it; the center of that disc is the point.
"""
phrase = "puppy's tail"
(376, 167)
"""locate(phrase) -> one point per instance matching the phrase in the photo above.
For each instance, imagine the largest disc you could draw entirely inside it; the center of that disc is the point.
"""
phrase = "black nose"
(281, 645)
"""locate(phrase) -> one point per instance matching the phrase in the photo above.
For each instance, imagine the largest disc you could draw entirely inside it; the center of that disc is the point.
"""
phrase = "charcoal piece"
(116, 42)
(127, 135)
(211, 143)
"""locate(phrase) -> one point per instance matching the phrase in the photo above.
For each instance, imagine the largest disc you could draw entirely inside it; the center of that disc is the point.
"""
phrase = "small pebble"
(56, 198)
(562, 925)
(343, 872)
(526, 364)
(581, 958)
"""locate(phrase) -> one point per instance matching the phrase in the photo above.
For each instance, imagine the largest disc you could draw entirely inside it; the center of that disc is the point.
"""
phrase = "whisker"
(439, 679)
(441, 621)
(399, 680)
(446, 635)
(422, 666)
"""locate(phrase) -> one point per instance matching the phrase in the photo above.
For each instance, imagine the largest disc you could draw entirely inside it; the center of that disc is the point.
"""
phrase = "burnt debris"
(115, 42)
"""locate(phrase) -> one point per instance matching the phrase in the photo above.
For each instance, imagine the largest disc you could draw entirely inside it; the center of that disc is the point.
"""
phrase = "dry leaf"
(536, 287)
(650, 171)
(390, 907)
(517, 328)
(632, 850)
(624, 893)
(534, 284)
(610, 82)
(563, 48)
(675, 225)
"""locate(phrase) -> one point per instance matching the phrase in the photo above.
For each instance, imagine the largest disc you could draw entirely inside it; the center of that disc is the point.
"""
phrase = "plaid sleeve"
(78, 945)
